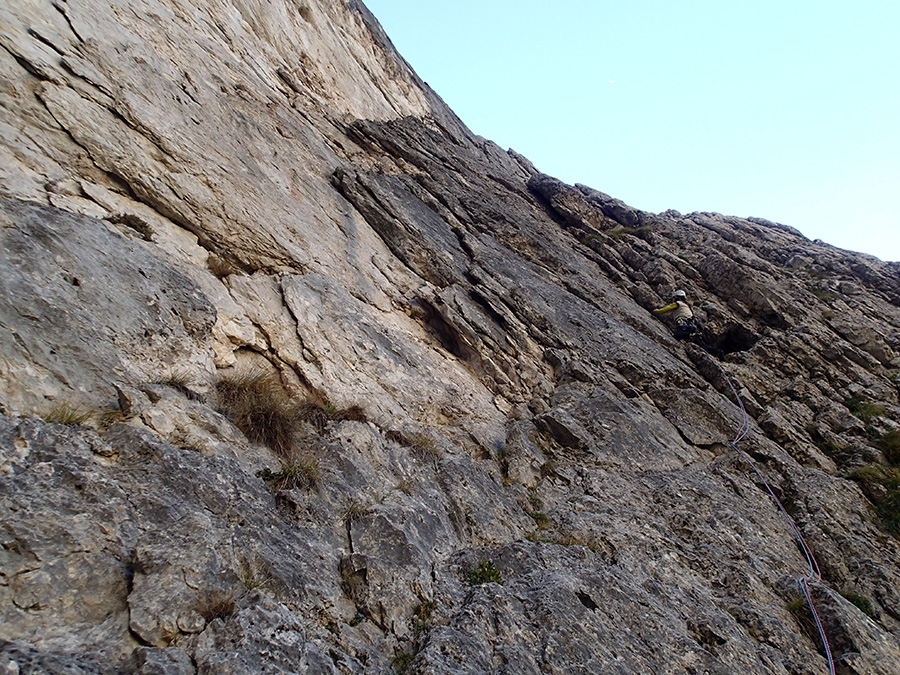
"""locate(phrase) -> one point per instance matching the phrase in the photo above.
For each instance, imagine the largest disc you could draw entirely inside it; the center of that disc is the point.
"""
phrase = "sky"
(782, 109)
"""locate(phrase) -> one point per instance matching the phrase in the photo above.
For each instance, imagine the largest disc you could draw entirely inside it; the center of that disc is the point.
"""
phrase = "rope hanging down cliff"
(686, 328)
(815, 574)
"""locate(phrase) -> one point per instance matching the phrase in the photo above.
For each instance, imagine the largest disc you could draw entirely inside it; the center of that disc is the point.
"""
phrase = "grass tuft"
(261, 408)
(863, 409)
(220, 267)
(882, 486)
(402, 661)
(253, 572)
(300, 473)
(68, 413)
(422, 617)
(485, 573)
(641, 232)
(218, 604)
(181, 381)
(861, 601)
(889, 444)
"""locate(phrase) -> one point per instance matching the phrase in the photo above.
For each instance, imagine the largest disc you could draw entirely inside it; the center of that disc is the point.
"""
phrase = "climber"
(687, 326)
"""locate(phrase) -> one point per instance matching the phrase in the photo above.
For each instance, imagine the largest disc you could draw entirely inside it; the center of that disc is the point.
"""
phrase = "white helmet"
(681, 295)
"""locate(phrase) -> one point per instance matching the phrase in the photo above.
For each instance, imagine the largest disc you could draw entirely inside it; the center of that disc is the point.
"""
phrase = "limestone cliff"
(301, 376)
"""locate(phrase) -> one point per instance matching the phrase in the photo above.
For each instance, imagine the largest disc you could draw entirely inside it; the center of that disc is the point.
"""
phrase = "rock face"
(300, 376)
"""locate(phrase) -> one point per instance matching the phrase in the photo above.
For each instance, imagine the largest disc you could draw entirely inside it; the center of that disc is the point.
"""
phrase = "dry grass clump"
(420, 446)
(68, 413)
(181, 380)
(259, 405)
(217, 604)
(318, 412)
(220, 267)
(261, 408)
(300, 473)
(253, 572)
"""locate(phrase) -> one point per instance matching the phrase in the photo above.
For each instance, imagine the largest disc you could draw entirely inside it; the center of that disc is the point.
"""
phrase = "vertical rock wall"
(470, 447)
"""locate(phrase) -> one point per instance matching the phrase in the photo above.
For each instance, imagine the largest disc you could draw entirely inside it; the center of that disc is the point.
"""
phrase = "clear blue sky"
(783, 109)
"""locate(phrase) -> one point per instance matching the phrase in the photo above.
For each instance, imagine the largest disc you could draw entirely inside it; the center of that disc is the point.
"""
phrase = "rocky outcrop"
(299, 375)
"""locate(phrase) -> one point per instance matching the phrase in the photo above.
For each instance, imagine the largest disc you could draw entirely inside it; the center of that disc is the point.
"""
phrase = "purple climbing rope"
(815, 573)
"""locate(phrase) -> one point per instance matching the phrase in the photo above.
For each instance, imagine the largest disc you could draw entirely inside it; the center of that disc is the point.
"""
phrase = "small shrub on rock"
(861, 601)
(889, 444)
(485, 573)
(863, 409)
(882, 486)
(402, 661)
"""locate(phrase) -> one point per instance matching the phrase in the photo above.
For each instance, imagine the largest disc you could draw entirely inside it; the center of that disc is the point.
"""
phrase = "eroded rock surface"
(472, 448)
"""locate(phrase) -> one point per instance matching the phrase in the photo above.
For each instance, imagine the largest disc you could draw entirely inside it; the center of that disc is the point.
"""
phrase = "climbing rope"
(815, 573)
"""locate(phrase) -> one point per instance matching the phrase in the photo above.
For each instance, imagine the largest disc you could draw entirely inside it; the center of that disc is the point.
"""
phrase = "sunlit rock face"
(299, 375)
